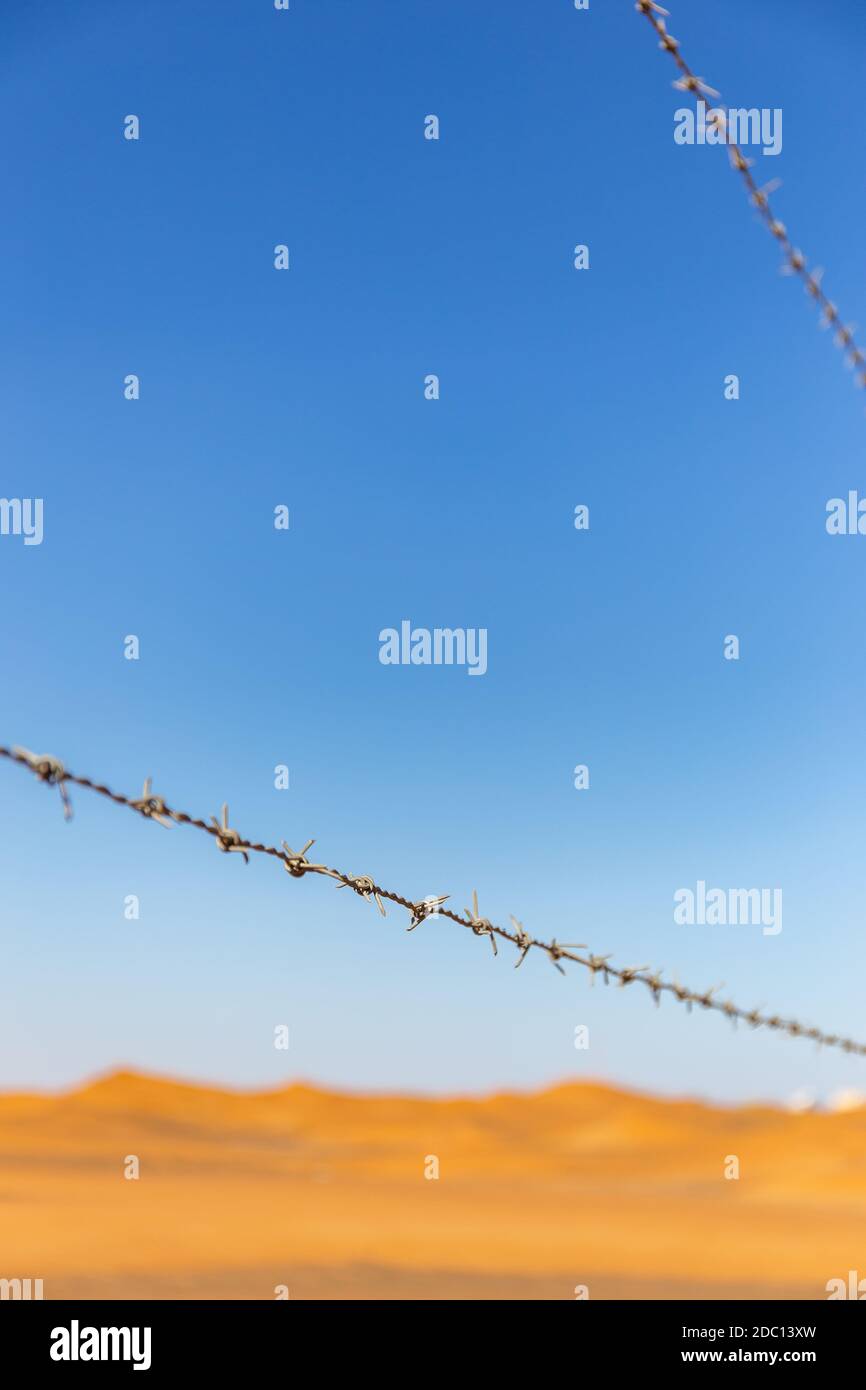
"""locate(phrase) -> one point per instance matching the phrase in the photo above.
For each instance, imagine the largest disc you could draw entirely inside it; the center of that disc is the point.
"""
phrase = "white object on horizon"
(801, 1101)
(848, 1098)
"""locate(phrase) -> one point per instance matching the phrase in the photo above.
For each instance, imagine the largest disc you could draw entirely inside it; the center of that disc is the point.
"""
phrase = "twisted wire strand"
(51, 771)
(794, 260)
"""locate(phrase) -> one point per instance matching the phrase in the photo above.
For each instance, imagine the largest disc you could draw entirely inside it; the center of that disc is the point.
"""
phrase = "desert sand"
(326, 1194)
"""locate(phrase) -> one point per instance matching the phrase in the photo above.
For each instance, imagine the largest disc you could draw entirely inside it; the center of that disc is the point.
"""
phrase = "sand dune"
(326, 1194)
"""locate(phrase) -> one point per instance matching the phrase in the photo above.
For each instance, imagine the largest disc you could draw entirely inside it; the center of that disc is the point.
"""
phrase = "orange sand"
(324, 1193)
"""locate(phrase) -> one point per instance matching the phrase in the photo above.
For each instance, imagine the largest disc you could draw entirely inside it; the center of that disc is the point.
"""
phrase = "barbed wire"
(152, 807)
(794, 259)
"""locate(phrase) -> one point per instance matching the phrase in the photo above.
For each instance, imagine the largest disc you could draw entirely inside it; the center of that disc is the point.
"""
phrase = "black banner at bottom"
(220, 1338)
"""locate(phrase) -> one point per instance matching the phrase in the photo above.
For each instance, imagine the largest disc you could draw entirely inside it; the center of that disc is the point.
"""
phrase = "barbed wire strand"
(794, 260)
(49, 770)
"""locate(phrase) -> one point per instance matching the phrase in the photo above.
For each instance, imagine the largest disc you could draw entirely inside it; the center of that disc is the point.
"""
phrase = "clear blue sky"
(306, 388)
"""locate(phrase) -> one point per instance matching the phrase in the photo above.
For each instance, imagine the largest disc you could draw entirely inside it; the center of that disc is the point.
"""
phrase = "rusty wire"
(51, 771)
(794, 261)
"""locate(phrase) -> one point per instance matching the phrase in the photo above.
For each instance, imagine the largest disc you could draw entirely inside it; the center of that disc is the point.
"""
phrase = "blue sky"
(305, 387)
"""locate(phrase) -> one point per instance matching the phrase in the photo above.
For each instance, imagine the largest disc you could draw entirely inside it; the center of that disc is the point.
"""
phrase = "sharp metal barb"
(227, 839)
(365, 887)
(152, 807)
(428, 908)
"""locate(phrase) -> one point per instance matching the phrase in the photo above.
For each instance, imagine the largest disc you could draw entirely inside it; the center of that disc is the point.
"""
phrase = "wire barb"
(556, 950)
(523, 941)
(428, 908)
(480, 925)
(49, 770)
(152, 807)
(364, 887)
(297, 864)
(229, 840)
